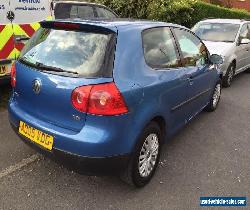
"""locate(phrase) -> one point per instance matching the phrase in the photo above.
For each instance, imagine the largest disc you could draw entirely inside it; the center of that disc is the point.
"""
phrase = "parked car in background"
(107, 94)
(83, 10)
(230, 39)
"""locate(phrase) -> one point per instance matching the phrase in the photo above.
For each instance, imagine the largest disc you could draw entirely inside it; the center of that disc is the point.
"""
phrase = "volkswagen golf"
(105, 95)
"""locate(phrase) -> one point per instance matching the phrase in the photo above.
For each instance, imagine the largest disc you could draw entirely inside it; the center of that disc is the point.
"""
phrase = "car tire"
(215, 98)
(228, 78)
(145, 159)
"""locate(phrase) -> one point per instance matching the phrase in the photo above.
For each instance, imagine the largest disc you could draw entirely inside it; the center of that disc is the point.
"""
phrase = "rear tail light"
(102, 99)
(80, 98)
(13, 75)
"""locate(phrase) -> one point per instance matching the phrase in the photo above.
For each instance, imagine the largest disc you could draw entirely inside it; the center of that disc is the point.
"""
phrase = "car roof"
(79, 3)
(232, 21)
(121, 23)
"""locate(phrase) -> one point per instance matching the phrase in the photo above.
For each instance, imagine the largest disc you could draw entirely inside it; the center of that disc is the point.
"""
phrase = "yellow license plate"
(36, 136)
(3, 70)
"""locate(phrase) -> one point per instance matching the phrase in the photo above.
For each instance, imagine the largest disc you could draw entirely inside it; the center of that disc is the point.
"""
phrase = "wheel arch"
(162, 124)
(234, 62)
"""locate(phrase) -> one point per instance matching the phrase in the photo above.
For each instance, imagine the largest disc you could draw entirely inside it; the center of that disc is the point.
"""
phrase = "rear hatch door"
(55, 62)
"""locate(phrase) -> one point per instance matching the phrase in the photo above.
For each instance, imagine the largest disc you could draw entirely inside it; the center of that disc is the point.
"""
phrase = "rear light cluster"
(101, 99)
(13, 75)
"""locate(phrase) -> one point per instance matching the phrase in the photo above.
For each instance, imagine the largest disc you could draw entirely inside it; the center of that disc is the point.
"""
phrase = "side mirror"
(245, 41)
(216, 59)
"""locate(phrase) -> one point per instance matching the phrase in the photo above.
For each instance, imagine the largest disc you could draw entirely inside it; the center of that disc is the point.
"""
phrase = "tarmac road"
(210, 157)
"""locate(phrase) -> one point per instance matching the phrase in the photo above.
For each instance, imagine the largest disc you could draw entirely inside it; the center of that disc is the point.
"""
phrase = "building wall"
(241, 4)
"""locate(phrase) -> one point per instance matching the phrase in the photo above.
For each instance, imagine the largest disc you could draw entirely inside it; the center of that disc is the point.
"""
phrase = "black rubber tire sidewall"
(210, 107)
(139, 181)
(225, 79)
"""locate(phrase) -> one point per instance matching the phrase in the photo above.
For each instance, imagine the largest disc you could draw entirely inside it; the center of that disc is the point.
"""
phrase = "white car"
(229, 38)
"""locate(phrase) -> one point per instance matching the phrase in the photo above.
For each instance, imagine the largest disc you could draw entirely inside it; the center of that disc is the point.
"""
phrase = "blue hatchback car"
(105, 95)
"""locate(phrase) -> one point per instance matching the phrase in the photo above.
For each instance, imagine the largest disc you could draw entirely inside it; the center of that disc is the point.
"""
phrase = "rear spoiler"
(77, 26)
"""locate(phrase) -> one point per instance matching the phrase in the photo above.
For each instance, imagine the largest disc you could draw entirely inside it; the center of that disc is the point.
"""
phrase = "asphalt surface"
(209, 157)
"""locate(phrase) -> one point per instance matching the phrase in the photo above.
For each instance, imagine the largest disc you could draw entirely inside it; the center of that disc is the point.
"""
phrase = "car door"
(169, 77)
(243, 50)
(200, 74)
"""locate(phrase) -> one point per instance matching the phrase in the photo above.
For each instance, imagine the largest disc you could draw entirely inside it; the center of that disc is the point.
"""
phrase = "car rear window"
(104, 13)
(75, 53)
(64, 11)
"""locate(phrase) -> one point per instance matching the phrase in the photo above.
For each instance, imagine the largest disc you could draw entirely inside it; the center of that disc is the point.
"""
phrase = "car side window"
(78, 11)
(194, 52)
(245, 32)
(160, 48)
(104, 13)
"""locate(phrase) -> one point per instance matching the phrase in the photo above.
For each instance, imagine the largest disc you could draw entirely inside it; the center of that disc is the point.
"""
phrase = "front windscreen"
(217, 32)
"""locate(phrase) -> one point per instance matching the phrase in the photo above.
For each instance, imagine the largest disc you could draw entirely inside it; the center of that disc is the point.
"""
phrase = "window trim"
(179, 47)
(162, 68)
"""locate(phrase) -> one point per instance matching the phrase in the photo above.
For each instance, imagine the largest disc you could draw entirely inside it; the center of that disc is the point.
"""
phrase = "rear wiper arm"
(54, 69)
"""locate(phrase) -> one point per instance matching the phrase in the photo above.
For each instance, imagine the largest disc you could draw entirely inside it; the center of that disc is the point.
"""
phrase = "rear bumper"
(99, 137)
(81, 164)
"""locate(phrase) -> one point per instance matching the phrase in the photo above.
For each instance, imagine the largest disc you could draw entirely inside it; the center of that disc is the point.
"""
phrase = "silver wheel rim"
(230, 75)
(216, 96)
(148, 155)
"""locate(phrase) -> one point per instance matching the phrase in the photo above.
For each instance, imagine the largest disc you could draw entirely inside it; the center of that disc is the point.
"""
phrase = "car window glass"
(193, 50)
(104, 13)
(159, 48)
(245, 32)
(85, 53)
(216, 32)
(62, 11)
(81, 11)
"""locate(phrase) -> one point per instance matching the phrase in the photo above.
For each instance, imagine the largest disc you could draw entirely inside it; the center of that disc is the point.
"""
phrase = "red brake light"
(71, 26)
(80, 98)
(13, 75)
(102, 99)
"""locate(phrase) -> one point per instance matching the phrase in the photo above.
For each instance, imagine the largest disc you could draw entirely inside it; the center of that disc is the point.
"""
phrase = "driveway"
(210, 157)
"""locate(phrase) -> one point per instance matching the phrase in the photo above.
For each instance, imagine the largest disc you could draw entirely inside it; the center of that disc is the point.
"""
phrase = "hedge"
(183, 12)
(205, 10)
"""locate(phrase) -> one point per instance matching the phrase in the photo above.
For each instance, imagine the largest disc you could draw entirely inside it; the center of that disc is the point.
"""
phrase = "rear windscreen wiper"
(54, 69)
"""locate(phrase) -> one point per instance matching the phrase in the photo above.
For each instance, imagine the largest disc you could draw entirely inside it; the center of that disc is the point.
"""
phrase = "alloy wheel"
(230, 75)
(217, 94)
(148, 155)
